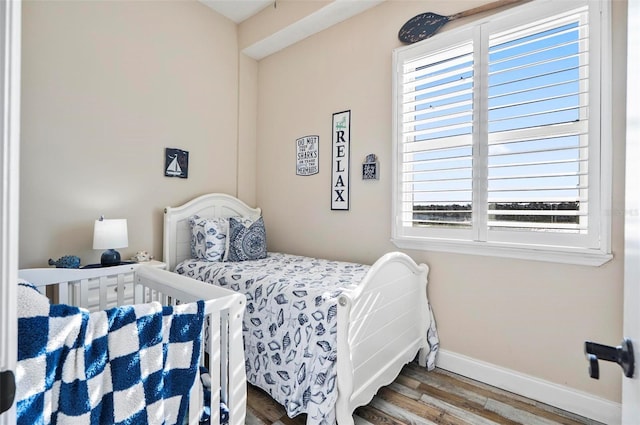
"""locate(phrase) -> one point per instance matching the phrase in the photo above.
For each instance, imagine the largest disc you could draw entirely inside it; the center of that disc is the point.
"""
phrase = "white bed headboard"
(177, 233)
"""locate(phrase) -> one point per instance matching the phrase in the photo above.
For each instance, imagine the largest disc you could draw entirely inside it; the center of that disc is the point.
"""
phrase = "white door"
(10, 28)
(631, 387)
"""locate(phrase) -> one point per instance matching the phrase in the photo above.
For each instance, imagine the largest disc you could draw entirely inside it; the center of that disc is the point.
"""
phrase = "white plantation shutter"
(437, 125)
(539, 150)
(497, 132)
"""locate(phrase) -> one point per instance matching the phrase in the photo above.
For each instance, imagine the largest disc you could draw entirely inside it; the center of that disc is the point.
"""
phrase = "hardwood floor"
(421, 397)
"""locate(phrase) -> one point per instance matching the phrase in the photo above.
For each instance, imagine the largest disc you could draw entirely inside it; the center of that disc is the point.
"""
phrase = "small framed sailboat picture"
(176, 163)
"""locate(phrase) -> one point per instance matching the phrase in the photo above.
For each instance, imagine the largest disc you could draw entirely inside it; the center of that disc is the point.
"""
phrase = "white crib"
(137, 284)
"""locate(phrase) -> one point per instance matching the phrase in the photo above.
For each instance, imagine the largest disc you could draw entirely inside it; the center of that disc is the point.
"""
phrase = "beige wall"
(531, 317)
(106, 87)
(247, 116)
(142, 76)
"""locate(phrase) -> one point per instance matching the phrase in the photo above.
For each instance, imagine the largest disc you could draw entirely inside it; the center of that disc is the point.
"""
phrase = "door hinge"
(7, 390)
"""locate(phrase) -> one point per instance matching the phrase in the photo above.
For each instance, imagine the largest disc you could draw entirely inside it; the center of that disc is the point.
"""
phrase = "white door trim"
(631, 328)
(10, 45)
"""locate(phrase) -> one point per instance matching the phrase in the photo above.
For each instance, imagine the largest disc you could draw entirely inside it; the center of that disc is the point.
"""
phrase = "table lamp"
(109, 235)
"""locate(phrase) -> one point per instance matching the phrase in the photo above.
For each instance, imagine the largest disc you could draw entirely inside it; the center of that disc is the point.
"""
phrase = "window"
(501, 142)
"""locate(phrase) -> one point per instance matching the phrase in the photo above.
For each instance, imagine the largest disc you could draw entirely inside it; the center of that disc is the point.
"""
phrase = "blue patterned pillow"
(208, 238)
(246, 241)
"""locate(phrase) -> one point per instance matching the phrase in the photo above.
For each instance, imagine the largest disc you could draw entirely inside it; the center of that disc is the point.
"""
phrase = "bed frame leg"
(422, 356)
(344, 414)
(345, 420)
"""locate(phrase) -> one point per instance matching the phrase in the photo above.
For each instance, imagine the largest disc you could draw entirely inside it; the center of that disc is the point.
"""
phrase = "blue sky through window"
(533, 81)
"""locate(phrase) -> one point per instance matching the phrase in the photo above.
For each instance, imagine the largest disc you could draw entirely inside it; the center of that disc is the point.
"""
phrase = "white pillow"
(208, 238)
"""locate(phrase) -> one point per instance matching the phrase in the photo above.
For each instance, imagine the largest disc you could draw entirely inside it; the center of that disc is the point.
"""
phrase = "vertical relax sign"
(340, 162)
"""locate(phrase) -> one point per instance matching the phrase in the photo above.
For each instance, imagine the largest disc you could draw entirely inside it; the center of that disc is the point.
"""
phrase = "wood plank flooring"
(439, 397)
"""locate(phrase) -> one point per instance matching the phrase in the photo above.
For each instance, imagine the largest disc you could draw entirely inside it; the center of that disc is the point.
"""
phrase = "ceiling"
(331, 14)
(237, 10)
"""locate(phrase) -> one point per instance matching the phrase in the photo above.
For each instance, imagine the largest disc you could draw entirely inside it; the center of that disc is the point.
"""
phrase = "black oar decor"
(426, 24)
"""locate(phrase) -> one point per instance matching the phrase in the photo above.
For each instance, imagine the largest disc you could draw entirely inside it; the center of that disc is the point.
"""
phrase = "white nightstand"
(154, 263)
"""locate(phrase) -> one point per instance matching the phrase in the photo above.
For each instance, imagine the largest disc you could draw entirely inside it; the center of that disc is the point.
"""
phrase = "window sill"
(584, 257)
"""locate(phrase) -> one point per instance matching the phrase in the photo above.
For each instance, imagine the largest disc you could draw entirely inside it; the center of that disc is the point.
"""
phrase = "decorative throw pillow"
(208, 238)
(197, 237)
(246, 241)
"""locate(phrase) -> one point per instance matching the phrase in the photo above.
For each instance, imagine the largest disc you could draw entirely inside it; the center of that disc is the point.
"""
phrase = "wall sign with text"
(370, 167)
(307, 155)
(341, 135)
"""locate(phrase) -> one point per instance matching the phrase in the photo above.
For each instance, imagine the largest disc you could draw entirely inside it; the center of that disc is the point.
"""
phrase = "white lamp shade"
(109, 234)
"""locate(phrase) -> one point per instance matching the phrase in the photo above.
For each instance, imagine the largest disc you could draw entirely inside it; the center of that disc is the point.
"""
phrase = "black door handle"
(622, 354)
(7, 390)
(594, 368)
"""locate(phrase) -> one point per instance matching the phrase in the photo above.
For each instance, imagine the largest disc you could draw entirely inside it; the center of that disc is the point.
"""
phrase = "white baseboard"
(565, 398)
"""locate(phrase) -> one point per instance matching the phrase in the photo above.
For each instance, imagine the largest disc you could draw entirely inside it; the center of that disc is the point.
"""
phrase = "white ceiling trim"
(237, 10)
(320, 20)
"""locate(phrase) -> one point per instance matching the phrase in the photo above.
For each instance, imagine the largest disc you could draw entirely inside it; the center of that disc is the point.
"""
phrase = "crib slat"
(237, 389)
(224, 353)
(138, 294)
(215, 364)
(83, 289)
(63, 293)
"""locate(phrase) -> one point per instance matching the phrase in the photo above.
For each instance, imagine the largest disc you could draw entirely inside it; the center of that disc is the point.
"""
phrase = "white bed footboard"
(382, 325)
(223, 312)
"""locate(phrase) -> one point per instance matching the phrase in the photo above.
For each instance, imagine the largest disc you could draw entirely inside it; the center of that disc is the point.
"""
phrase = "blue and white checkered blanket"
(127, 365)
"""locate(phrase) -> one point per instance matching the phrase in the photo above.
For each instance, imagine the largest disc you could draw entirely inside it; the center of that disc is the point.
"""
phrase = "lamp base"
(110, 257)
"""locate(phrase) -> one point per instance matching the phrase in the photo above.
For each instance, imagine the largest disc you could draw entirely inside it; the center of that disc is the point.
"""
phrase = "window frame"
(595, 251)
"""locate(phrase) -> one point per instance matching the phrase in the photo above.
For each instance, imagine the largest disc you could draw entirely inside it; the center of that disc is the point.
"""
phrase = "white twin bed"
(321, 337)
